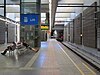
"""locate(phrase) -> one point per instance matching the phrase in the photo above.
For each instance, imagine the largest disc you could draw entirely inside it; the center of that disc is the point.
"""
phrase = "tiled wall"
(98, 30)
(68, 32)
(71, 32)
(11, 33)
(78, 29)
(2, 32)
(89, 27)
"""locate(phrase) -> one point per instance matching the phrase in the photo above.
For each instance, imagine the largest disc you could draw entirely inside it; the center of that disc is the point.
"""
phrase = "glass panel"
(31, 33)
(28, 8)
(43, 15)
(29, 1)
(44, 1)
(13, 8)
(2, 11)
(1, 2)
(13, 16)
(12, 2)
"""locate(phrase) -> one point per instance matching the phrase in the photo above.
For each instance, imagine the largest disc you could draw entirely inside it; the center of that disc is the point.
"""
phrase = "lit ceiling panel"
(65, 9)
(60, 19)
(62, 15)
(29, 0)
(59, 23)
(71, 1)
(65, 14)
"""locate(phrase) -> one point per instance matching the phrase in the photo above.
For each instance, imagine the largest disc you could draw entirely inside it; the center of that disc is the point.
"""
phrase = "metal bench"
(21, 49)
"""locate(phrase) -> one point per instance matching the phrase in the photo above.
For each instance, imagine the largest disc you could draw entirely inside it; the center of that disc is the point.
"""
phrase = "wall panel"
(11, 33)
(78, 29)
(89, 26)
(2, 32)
(71, 32)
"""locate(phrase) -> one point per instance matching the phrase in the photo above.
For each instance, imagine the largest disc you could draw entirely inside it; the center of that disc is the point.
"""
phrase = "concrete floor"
(52, 59)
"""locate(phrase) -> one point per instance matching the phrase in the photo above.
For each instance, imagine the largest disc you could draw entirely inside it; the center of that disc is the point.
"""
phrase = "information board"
(29, 19)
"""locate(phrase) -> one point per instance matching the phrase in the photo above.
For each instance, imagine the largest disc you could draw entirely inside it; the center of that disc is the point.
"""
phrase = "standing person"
(61, 37)
(11, 47)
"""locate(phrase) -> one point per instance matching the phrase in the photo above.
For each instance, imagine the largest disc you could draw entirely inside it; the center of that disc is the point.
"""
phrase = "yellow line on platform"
(72, 61)
(89, 69)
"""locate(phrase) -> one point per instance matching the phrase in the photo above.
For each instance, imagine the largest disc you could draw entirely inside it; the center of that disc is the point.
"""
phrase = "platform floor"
(52, 59)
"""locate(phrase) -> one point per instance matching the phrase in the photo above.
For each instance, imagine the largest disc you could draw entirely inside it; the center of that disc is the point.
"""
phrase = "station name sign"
(29, 19)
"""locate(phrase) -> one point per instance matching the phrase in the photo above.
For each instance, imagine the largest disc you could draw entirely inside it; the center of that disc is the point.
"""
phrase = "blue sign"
(29, 19)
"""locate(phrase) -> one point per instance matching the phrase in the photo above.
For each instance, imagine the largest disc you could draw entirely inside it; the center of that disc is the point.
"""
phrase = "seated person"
(25, 44)
(11, 47)
(28, 46)
(35, 49)
(21, 44)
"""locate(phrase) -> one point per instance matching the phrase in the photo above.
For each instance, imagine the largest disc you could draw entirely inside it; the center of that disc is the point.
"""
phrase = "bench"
(21, 49)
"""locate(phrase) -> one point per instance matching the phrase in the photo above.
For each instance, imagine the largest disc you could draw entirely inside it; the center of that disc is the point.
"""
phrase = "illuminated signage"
(29, 19)
(44, 27)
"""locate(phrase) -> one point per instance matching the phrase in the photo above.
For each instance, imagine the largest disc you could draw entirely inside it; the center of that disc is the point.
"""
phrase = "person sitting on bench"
(28, 46)
(11, 47)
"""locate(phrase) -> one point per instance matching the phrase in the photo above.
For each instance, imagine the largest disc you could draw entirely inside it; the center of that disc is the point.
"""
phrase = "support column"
(30, 16)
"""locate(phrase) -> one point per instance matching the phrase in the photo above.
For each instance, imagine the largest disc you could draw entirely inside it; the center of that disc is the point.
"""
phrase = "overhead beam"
(13, 12)
(63, 21)
(53, 11)
(70, 3)
(77, 6)
(65, 12)
(44, 3)
(62, 17)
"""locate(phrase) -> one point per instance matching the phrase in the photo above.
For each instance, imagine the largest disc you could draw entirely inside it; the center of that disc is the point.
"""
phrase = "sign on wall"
(43, 27)
(29, 19)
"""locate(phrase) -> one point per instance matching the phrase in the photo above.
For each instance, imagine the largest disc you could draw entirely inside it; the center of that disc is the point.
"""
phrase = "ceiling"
(13, 7)
(65, 13)
(60, 13)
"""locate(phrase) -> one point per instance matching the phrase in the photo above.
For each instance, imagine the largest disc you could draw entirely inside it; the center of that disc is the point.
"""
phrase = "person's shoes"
(2, 53)
(37, 50)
